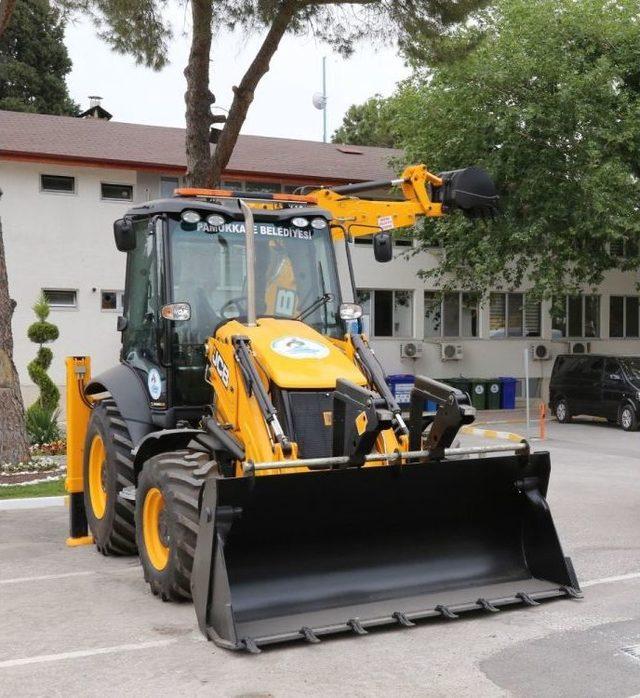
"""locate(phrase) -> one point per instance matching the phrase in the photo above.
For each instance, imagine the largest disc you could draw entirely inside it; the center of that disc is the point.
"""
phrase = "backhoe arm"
(425, 195)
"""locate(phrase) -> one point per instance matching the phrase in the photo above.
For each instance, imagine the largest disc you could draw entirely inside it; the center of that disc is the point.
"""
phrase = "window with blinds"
(514, 315)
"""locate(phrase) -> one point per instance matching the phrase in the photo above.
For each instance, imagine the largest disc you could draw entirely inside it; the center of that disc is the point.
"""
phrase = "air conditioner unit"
(579, 347)
(451, 352)
(540, 352)
(411, 350)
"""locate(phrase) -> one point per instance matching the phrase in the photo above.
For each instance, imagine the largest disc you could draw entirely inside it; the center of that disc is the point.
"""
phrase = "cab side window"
(141, 304)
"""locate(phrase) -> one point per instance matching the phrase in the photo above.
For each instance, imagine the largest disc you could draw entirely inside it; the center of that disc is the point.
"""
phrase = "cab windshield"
(295, 275)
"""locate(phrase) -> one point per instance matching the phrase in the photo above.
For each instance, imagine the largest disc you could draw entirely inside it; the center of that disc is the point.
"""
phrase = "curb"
(31, 503)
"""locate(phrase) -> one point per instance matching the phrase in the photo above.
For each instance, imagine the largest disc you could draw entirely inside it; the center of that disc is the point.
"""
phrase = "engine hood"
(294, 355)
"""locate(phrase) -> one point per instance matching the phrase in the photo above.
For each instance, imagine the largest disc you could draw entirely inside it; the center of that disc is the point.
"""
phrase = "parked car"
(597, 385)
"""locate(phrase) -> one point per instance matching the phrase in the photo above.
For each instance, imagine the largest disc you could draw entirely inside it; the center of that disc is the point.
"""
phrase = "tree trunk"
(14, 446)
(6, 8)
(198, 97)
(244, 92)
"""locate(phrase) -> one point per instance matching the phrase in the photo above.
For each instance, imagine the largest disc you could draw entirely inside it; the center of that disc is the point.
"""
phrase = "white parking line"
(32, 503)
(84, 653)
(45, 577)
(609, 580)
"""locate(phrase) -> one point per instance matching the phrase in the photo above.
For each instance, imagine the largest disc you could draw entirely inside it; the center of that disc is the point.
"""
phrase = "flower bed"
(38, 469)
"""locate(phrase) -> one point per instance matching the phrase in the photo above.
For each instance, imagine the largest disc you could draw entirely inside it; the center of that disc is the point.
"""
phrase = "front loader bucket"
(302, 555)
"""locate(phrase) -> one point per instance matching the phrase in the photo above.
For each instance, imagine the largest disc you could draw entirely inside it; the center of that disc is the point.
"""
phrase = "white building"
(65, 181)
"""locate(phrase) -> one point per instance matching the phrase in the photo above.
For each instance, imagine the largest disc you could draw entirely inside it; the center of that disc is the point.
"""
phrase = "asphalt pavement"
(74, 623)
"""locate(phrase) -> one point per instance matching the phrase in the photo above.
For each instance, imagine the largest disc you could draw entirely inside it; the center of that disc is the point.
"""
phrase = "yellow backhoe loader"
(247, 446)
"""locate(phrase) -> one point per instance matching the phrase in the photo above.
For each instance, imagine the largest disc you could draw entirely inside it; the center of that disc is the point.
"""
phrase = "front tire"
(167, 520)
(107, 469)
(562, 412)
(628, 418)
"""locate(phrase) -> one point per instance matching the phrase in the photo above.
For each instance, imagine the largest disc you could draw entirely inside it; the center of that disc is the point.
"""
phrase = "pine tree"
(34, 61)
(14, 446)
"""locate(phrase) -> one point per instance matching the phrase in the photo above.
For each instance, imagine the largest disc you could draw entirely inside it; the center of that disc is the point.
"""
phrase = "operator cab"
(192, 253)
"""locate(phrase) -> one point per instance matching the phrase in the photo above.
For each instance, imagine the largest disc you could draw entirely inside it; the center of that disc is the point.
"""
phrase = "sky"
(283, 103)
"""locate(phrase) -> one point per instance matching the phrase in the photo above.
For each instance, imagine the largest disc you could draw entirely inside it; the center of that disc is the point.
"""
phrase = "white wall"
(66, 241)
(483, 357)
(63, 241)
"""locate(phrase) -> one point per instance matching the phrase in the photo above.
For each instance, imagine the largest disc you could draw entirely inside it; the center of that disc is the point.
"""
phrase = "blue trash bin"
(401, 384)
(508, 396)
(431, 406)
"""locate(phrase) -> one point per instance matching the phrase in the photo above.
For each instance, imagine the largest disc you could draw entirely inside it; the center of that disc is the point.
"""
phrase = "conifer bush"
(43, 412)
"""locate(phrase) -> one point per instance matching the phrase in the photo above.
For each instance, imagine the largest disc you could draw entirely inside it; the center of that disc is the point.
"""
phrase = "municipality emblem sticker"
(154, 383)
(299, 348)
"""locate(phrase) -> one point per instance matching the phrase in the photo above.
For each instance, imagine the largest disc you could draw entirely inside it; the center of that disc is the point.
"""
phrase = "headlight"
(318, 223)
(638, 395)
(216, 220)
(300, 222)
(190, 217)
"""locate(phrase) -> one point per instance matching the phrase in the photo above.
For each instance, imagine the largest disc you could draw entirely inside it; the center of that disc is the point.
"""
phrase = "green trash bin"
(493, 388)
(460, 383)
(478, 393)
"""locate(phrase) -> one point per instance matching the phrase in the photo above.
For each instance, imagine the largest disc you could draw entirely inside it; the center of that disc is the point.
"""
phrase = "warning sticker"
(385, 222)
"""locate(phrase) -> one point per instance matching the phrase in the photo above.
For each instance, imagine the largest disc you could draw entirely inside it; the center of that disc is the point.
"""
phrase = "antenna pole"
(324, 99)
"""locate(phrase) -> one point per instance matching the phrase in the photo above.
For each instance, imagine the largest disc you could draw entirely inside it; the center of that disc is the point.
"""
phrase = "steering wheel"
(240, 304)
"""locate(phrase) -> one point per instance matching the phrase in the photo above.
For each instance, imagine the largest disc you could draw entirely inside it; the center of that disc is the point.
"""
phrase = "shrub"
(41, 332)
(42, 424)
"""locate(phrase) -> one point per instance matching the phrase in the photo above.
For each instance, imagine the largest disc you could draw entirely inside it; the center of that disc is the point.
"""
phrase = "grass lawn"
(52, 488)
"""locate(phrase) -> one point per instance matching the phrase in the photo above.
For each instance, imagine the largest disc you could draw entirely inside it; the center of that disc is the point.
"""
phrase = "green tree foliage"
(549, 103)
(41, 332)
(370, 123)
(140, 29)
(34, 61)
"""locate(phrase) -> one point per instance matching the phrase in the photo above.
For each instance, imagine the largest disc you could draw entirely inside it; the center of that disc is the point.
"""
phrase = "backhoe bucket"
(303, 555)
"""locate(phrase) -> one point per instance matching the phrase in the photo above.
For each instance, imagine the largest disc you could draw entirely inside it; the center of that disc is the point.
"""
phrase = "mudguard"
(126, 388)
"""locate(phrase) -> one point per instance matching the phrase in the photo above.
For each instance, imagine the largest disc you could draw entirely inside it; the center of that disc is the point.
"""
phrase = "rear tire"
(167, 520)
(628, 418)
(107, 469)
(562, 412)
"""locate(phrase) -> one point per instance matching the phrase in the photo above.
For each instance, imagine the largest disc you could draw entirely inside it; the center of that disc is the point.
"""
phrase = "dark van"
(596, 385)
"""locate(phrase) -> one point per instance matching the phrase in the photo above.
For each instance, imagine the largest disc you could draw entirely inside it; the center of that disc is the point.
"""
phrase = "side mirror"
(350, 311)
(124, 235)
(383, 247)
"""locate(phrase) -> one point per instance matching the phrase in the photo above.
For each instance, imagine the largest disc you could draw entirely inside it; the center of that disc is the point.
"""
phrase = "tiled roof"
(41, 136)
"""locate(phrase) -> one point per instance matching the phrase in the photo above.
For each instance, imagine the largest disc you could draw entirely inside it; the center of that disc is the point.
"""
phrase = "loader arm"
(425, 195)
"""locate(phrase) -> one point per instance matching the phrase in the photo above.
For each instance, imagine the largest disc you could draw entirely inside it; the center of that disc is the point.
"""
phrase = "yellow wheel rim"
(97, 475)
(152, 529)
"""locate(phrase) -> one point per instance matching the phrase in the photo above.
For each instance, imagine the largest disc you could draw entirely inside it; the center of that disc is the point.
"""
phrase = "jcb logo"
(221, 368)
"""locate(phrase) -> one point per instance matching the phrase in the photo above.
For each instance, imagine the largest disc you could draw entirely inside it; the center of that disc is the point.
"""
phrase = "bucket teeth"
(525, 598)
(309, 635)
(570, 591)
(356, 626)
(446, 612)
(403, 620)
(487, 606)
(249, 644)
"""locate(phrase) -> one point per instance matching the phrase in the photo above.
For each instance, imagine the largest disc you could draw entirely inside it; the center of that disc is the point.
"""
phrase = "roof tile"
(162, 147)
